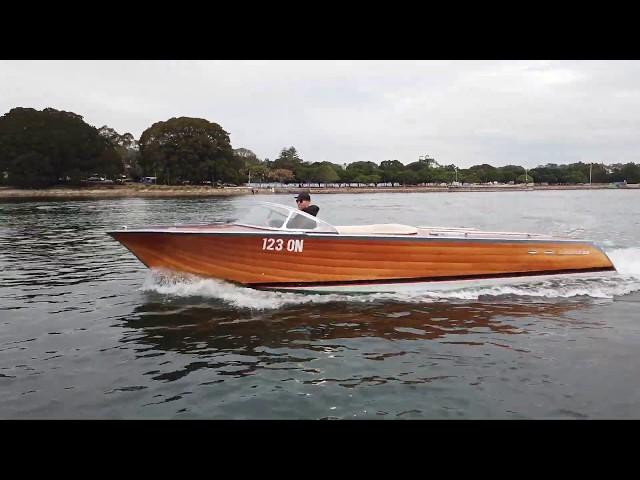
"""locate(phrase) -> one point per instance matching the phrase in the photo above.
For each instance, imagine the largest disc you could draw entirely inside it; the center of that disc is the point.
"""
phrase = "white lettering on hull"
(279, 244)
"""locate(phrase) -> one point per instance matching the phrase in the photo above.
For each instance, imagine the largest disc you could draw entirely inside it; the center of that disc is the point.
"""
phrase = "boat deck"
(378, 231)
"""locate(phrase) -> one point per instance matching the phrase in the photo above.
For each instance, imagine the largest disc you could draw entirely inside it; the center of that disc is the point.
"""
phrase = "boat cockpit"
(272, 216)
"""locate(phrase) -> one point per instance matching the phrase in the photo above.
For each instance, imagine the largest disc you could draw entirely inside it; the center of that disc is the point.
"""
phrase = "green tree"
(442, 175)
(325, 174)
(367, 179)
(31, 170)
(191, 149)
(288, 159)
(486, 173)
(247, 155)
(259, 173)
(630, 173)
(346, 176)
(305, 173)
(391, 171)
(46, 147)
(127, 149)
(318, 172)
(253, 168)
(363, 172)
(360, 178)
(508, 173)
(598, 173)
(409, 177)
(576, 176)
(426, 175)
(544, 174)
(467, 176)
(529, 178)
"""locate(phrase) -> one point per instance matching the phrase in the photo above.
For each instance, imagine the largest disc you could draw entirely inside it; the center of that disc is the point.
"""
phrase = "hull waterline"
(438, 285)
(314, 262)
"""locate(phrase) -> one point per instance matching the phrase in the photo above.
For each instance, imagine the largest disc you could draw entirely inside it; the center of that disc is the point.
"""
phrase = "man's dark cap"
(303, 196)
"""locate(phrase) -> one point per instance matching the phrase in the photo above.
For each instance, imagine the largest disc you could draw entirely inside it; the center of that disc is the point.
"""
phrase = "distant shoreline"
(160, 191)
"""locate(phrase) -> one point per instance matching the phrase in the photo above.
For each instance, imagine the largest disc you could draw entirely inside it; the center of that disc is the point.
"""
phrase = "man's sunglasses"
(299, 201)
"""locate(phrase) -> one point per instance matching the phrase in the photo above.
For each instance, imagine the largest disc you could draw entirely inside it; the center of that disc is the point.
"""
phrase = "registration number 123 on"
(279, 244)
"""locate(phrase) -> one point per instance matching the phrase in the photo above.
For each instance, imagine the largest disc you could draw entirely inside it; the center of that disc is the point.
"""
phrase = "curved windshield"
(302, 222)
(265, 216)
(279, 217)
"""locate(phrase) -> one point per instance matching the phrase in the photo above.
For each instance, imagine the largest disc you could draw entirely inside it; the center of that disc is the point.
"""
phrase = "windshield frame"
(321, 225)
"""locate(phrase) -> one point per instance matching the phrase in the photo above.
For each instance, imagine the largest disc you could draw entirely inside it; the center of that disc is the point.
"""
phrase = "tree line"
(50, 147)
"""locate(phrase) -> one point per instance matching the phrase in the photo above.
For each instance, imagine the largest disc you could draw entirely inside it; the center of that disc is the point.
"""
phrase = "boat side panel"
(245, 260)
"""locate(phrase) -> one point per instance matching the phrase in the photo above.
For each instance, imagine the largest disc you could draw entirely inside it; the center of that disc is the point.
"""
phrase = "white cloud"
(463, 112)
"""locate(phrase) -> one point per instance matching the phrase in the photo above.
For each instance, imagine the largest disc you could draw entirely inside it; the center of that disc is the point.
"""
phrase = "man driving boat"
(304, 203)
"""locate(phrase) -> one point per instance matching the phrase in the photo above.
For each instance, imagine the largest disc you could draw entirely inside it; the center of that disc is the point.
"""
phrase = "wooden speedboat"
(282, 248)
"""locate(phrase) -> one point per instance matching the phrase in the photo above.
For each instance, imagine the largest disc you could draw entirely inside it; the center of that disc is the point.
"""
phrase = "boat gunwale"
(331, 235)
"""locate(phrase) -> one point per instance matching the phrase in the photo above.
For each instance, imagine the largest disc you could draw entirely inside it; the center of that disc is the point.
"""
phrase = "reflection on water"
(87, 332)
(184, 327)
(341, 346)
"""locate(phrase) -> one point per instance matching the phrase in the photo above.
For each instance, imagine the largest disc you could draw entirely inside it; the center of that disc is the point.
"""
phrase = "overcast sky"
(462, 112)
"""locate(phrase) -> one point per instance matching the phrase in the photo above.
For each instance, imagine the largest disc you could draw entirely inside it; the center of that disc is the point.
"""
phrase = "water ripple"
(87, 332)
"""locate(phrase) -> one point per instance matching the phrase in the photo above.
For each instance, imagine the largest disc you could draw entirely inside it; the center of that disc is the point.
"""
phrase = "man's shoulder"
(312, 210)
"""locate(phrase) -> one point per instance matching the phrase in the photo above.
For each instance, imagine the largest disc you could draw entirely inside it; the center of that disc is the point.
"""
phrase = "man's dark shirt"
(312, 210)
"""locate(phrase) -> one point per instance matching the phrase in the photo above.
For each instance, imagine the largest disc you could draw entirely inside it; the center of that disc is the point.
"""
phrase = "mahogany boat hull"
(332, 262)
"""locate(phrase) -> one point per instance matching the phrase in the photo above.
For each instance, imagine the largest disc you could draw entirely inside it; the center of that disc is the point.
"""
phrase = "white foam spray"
(626, 261)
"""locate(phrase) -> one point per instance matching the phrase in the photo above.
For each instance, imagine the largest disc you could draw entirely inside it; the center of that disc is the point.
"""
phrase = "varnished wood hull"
(325, 261)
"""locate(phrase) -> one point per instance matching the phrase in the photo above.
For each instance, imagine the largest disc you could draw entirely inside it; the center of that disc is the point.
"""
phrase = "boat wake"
(185, 285)
(626, 261)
